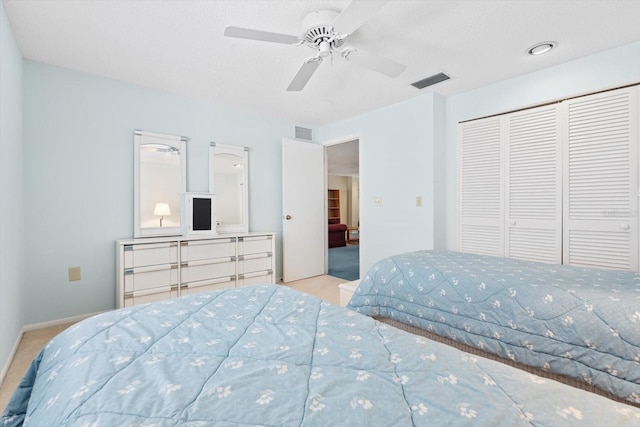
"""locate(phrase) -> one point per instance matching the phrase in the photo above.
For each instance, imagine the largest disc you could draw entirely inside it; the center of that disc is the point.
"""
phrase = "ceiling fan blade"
(304, 74)
(355, 14)
(375, 63)
(265, 36)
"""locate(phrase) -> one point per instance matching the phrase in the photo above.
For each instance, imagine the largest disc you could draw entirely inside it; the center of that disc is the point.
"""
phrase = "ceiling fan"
(326, 32)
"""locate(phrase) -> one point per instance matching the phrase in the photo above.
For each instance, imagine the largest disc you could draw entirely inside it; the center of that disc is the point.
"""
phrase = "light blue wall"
(11, 225)
(396, 165)
(439, 172)
(612, 68)
(79, 176)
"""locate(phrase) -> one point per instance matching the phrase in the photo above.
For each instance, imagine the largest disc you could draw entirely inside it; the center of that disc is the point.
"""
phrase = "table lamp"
(161, 210)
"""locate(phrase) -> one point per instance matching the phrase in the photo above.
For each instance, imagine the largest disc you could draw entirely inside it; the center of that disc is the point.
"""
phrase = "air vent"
(304, 133)
(436, 78)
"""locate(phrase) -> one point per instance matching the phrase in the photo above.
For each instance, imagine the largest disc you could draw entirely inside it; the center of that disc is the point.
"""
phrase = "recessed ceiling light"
(540, 48)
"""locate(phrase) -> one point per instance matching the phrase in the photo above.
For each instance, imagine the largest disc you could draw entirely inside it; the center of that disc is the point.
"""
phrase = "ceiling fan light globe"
(325, 49)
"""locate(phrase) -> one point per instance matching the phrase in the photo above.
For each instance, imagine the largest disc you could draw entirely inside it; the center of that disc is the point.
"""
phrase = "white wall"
(11, 173)
(612, 68)
(78, 137)
(354, 219)
(396, 165)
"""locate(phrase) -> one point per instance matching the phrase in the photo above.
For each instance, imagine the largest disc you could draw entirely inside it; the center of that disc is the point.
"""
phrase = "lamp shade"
(162, 209)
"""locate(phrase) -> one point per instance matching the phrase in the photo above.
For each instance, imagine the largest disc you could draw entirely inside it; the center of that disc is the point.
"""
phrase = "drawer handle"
(255, 238)
(207, 242)
(255, 274)
(150, 268)
(201, 283)
(151, 291)
(209, 261)
(254, 256)
(150, 246)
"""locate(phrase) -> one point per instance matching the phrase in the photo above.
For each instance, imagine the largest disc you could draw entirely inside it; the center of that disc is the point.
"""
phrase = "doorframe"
(328, 143)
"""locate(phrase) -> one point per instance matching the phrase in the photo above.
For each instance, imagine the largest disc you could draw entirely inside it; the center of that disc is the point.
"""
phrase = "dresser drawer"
(195, 271)
(255, 262)
(257, 278)
(255, 244)
(135, 298)
(150, 254)
(208, 285)
(196, 250)
(144, 278)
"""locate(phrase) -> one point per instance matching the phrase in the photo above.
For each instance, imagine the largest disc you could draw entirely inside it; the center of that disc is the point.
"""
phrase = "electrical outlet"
(377, 201)
(74, 274)
(418, 201)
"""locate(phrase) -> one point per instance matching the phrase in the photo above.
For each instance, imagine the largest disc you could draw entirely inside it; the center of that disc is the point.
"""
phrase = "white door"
(303, 207)
(601, 180)
(480, 188)
(533, 196)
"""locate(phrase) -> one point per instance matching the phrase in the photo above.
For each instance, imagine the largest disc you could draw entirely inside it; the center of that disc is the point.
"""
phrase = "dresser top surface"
(163, 239)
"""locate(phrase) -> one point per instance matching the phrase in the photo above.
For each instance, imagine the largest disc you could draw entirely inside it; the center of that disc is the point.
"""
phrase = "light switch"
(418, 201)
(377, 201)
(74, 274)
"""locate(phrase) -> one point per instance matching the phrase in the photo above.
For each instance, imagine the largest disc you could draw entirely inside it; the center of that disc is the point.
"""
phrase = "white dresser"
(153, 269)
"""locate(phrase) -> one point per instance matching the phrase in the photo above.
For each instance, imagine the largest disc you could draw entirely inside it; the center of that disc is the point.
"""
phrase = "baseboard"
(35, 326)
(12, 354)
(58, 322)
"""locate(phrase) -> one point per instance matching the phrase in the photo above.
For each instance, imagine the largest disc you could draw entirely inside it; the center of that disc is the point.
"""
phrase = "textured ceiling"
(178, 46)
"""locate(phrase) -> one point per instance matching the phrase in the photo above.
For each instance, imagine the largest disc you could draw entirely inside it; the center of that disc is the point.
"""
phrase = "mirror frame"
(243, 153)
(178, 142)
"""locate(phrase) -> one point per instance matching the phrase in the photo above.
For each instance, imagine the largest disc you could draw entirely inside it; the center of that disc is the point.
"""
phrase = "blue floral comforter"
(579, 322)
(268, 355)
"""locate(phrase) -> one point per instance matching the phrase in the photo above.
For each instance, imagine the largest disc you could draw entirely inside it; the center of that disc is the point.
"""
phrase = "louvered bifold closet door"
(480, 200)
(533, 196)
(601, 180)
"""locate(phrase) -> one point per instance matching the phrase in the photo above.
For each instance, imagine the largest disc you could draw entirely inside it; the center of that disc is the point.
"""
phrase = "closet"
(555, 183)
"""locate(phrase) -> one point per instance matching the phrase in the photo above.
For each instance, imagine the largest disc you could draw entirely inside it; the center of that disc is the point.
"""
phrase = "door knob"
(624, 226)
(288, 217)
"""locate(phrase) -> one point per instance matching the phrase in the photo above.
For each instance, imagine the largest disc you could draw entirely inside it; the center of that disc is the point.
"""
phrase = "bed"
(269, 355)
(581, 324)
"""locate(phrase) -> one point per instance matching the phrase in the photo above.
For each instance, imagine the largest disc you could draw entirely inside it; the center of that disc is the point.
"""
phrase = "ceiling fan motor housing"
(317, 28)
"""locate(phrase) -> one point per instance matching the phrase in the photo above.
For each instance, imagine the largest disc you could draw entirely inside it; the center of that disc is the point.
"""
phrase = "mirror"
(228, 180)
(160, 179)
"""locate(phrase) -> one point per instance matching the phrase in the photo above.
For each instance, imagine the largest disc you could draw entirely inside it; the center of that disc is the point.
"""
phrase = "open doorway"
(343, 204)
